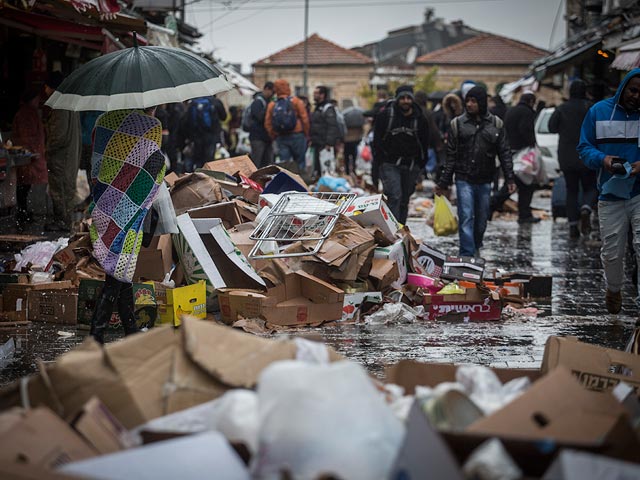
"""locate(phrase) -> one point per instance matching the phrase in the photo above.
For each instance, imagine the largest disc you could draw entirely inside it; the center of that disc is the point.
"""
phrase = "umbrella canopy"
(138, 77)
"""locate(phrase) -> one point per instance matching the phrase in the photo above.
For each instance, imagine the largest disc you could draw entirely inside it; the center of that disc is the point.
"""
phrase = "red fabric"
(28, 132)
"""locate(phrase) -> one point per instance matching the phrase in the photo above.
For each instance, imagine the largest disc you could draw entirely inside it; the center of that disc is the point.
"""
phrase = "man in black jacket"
(324, 131)
(261, 147)
(401, 142)
(566, 121)
(474, 140)
(520, 125)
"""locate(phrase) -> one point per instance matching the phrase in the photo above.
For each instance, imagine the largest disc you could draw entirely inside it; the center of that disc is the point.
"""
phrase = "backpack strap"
(390, 122)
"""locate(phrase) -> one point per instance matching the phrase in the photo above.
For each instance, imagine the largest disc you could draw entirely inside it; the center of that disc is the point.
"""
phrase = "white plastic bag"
(327, 162)
(485, 388)
(167, 221)
(323, 419)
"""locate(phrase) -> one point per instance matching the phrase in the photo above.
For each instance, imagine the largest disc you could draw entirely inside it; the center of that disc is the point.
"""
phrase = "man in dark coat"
(324, 131)
(566, 121)
(520, 125)
(474, 140)
(261, 146)
(401, 142)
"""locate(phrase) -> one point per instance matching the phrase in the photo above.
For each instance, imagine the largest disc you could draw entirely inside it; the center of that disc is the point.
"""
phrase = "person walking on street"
(28, 131)
(474, 140)
(128, 168)
(354, 121)
(261, 143)
(287, 122)
(519, 123)
(566, 121)
(325, 132)
(401, 139)
(202, 127)
(63, 151)
(609, 145)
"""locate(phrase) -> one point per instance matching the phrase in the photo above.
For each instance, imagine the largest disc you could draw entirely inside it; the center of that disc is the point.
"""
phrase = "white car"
(547, 143)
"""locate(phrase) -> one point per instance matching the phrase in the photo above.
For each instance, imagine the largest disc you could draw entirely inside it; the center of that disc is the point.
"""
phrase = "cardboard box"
(175, 302)
(301, 300)
(39, 438)
(397, 254)
(14, 296)
(428, 261)
(147, 376)
(100, 429)
(226, 211)
(372, 210)
(469, 269)
(200, 456)
(410, 374)
(194, 190)
(383, 273)
(145, 305)
(275, 179)
(242, 165)
(207, 253)
(558, 408)
(150, 266)
(534, 286)
(352, 302)
(595, 367)
(471, 306)
(53, 306)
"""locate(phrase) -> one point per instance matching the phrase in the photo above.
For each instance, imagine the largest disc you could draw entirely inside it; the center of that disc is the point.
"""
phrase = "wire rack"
(298, 217)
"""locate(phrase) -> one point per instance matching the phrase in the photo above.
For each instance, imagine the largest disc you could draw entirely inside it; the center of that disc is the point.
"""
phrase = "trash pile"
(254, 246)
(207, 401)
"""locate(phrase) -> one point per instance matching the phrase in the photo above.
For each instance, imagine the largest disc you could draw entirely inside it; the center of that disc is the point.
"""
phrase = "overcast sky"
(243, 31)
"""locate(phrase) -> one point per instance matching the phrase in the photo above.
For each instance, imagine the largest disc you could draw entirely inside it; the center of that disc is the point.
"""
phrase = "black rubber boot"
(103, 311)
(126, 309)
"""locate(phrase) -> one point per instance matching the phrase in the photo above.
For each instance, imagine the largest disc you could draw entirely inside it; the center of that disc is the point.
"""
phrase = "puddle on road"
(577, 309)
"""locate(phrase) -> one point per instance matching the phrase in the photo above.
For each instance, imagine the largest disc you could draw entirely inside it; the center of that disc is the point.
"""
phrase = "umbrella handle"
(135, 39)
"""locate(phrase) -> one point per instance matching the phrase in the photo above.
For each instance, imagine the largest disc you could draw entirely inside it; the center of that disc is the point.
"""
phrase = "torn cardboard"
(194, 190)
(242, 165)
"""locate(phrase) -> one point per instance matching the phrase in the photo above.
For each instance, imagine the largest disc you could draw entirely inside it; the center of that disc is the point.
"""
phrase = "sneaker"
(574, 232)
(531, 219)
(585, 221)
(613, 301)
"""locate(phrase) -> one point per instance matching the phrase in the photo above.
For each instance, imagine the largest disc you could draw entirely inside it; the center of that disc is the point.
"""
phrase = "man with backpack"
(325, 131)
(474, 140)
(253, 122)
(287, 122)
(354, 122)
(401, 142)
(202, 126)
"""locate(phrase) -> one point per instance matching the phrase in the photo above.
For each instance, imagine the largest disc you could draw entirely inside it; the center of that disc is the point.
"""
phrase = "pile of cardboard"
(205, 267)
(149, 403)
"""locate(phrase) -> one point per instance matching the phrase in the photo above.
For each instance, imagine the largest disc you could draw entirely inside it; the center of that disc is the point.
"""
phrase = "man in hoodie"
(475, 138)
(287, 122)
(401, 143)
(609, 143)
(566, 121)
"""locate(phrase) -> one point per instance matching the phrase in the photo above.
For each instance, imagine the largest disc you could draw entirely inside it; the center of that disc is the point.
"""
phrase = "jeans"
(616, 218)
(399, 183)
(293, 145)
(261, 153)
(588, 180)
(473, 213)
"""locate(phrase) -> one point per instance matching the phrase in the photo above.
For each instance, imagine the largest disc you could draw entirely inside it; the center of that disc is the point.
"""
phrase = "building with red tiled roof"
(343, 70)
(489, 58)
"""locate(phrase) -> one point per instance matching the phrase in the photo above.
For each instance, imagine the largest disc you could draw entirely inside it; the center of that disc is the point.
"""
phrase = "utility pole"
(305, 72)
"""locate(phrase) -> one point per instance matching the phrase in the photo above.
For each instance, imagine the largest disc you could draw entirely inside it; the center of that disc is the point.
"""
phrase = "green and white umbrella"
(138, 77)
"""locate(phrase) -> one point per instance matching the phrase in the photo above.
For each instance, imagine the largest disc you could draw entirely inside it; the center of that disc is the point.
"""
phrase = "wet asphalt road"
(577, 308)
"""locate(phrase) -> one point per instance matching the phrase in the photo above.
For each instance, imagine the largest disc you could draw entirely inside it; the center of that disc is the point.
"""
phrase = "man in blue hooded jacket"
(611, 135)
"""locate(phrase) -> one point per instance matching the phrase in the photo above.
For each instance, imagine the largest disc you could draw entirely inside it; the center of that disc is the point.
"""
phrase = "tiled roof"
(320, 51)
(485, 49)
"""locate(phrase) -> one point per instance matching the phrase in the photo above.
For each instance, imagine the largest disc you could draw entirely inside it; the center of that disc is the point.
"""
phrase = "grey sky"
(247, 30)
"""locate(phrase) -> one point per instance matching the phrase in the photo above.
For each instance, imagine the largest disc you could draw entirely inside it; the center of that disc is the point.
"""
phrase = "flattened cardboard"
(41, 439)
(303, 299)
(595, 367)
(232, 166)
(472, 306)
(194, 190)
(383, 273)
(372, 210)
(100, 429)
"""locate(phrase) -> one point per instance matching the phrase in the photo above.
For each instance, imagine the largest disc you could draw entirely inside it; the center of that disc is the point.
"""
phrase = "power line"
(385, 3)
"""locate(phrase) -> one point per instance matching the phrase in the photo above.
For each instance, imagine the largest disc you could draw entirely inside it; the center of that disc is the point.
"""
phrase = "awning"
(628, 57)
(559, 60)
(105, 8)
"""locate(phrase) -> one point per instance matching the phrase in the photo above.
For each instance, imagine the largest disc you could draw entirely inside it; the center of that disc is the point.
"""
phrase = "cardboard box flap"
(596, 368)
(555, 407)
(242, 165)
(234, 357)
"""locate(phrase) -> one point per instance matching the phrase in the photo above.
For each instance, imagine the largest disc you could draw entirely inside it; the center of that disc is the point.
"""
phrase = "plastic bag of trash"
(445, 221)
(452, 289)
(38, 255)
(490, 461)
(323, 419)
(335, 184)
(485, 388)
(394, 313)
